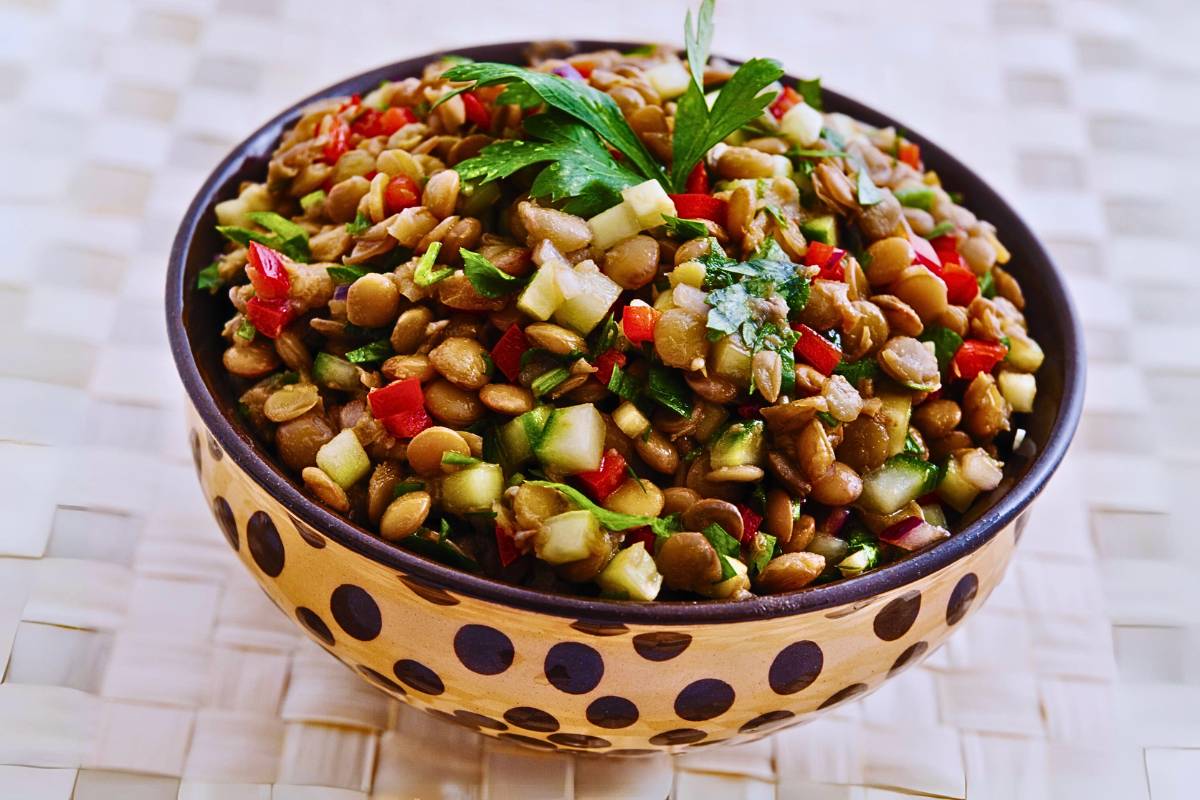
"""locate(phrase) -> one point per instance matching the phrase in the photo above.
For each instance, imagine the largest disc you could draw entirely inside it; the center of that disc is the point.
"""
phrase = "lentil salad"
(723, 344)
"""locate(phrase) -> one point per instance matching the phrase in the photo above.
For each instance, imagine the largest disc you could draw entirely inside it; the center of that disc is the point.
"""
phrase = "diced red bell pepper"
(925, 252)
(700, 206)
(750, 521)
(644, 535)
(828, 258)
(697, 182)
(506, 355)
(505, 546)
(269, 275)
(402, 192)
(366, 124)
(604, 481)
(961, 285)
(817, 350)
(975, 356)
(398, 397)
(408, 424)
(394, 119)
(783, 103)
(477, 112)
(605, 363)
(947, 249)
(269, 317)
(910, 153)
(339, 141)
(638, 323)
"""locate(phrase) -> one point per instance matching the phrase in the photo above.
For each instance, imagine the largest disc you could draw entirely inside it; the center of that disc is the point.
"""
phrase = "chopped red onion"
(913, 533)
(340, 291)
(568, 72)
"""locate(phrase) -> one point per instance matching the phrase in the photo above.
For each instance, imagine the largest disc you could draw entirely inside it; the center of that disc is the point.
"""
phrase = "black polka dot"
(194, 441)
(574, 668)
(765, 720)
(910, 655)
(315, 625)
(430, 594)
(851, 691)
(612, 712)
(379, 679)
(661, 645)
(479, 720)
(224, 515)
(531, 719)
(632, 752)
(677, 736)
(599, 628)
(266, 548)
(482, 649)
(897, 617)
(417, 676)
(356, 612)
(704, 699)
(214, 449)
(796, 667)
(579, 740)
(961, 598)
(527, 740)
(306, 533)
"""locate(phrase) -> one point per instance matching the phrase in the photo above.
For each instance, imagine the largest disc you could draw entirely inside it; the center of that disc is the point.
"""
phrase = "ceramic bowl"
(573, 673)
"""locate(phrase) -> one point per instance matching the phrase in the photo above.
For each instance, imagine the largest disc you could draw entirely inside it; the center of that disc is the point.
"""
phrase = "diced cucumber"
(1024, 354)
(542, 296)
(740, 444)
(669, 79)
(518, 436)
(896, 411)
(732, 584)
(472, 489)
(820, 229)
(573, 440)
(597, 293)
(934, 514)
(631, 575)
(567, 537)
(896, 483)
(731, 360)
(630, 420)
(343, 459)
(611, 226)
(649, 202)
(1019, 389)
(802, 124)
(921, 197)
(336, 373)
(954, 488)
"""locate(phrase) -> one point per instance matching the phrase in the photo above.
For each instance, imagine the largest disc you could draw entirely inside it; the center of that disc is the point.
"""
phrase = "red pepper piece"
(910, 153)
(817, 350)
(700, 206)
(506, 355)
(925, 253)
(604, 481)
(399, 397)
(506, 546)
(976, 356)
(828, 258)
(408, 424)
(783, 103)
(339, 141)
(697, 182)
(354, 100)
(961, 285)
(367, 124)
(269, 317)
(605, 363)
(644, 535)
(268, 274)
(750, 521)
(401, 192)
(476, 111)
(394, 119)
(638, 323)
(947, 249)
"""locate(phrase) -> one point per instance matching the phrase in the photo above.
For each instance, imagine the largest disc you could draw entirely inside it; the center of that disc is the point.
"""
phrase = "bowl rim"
(240, 447)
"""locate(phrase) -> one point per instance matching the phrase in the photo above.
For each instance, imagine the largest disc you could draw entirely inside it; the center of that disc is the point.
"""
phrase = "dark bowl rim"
(238, 446)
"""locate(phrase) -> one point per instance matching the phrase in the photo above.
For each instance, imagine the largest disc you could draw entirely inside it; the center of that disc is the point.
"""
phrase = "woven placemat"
(140, 662)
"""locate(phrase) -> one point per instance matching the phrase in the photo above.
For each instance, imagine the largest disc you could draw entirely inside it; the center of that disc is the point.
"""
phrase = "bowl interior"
(195, 317)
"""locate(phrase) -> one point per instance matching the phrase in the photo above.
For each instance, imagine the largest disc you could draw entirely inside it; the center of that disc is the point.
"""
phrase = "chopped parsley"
(945, 343)
(666, 387)
(810, 90)
(424, 275)
(209, 278)
(368, 353)
(345, 273)
(488, 279)
(624, 385)
(684, 229)
(360, 225)
(246, 330)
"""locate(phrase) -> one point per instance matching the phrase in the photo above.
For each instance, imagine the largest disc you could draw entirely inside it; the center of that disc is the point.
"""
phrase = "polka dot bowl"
(573, 673)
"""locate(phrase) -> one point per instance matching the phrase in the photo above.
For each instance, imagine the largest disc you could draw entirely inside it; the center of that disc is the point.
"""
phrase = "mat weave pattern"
(140, 662)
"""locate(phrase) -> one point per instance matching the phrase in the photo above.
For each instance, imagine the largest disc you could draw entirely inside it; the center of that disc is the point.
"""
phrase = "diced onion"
(913, 533)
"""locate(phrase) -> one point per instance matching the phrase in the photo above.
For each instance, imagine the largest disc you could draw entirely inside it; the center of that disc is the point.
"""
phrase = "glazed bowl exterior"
(575, 673)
